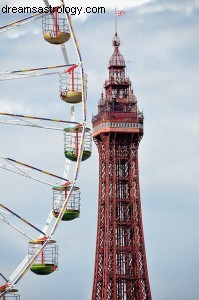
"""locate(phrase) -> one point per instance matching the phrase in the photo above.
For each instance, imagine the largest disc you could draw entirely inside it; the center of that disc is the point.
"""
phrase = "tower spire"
(118, 93)
(116, 59)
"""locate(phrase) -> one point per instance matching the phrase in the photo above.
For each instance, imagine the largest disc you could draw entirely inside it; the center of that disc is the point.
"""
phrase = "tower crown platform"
(117, 107)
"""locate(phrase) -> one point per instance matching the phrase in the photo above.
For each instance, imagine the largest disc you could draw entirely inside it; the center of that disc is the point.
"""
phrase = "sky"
(160, 43)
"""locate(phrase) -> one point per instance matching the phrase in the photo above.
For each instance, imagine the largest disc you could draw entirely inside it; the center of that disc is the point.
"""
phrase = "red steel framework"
(120, 263)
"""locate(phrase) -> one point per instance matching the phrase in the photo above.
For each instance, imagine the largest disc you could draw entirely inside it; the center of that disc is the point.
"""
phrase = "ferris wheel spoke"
(64, 53)
(18, 270)
(30, 125)
(38, 118)
(15, 227)
(20, 22)
(33, 72)
(20, 218)
(28, 75)
(19, 170)
(10, 160)
(48, 222)
(3, 277)
(24, 174)
(66, 169)
(24, 121)
(46, 2)
(5, 77)
(68, 162)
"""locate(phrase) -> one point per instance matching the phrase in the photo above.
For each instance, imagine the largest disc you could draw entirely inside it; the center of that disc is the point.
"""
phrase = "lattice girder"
(121, 269)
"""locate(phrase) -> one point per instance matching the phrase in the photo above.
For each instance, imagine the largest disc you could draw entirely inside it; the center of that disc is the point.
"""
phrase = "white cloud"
(10, 106)
(18, 32)
(175, 6)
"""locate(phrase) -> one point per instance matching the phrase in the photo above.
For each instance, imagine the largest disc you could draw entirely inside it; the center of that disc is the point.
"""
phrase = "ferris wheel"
(42, 256)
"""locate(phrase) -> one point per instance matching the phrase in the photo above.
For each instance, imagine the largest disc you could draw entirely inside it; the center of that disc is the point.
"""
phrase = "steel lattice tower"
(120, 262)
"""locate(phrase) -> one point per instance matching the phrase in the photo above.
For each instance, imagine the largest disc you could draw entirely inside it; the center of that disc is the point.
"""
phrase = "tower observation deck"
(120, 262)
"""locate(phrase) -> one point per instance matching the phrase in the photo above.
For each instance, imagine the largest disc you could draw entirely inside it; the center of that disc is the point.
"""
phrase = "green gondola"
(69, 214)
(43, 269)
(72, 156)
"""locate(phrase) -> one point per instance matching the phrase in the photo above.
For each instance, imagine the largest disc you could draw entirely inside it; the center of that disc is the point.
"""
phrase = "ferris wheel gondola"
(42, 257)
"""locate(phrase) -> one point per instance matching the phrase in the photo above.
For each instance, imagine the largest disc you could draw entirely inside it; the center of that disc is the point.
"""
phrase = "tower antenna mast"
(115, 20)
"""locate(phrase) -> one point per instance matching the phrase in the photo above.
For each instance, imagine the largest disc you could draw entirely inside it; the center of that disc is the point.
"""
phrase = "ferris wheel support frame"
(26, 263)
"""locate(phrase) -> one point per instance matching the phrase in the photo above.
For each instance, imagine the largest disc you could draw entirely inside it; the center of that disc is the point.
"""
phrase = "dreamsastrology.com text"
(75, 10)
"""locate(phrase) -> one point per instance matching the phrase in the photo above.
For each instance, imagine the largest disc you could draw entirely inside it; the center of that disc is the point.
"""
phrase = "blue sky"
(160, 42)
